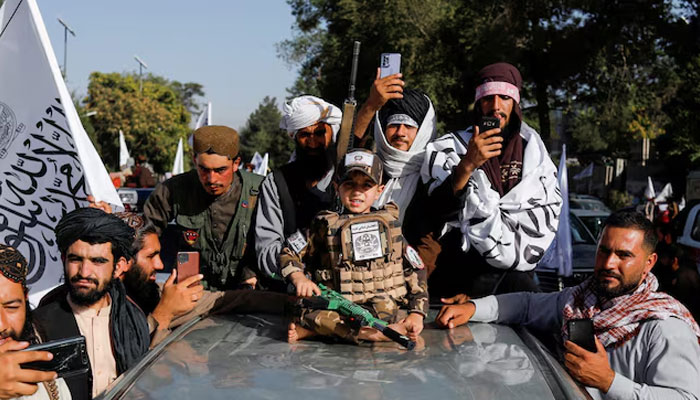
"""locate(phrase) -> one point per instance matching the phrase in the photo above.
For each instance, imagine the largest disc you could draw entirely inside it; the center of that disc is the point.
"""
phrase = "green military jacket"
(216, 227)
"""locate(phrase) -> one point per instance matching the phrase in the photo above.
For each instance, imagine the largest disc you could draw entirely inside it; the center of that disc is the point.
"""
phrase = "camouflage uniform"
(366, 259)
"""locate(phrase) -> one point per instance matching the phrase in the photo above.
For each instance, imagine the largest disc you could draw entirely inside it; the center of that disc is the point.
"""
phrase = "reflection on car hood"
(247, 357)
(583, 256)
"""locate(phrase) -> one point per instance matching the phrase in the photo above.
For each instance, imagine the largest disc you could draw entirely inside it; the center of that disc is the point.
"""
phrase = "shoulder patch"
(413, 258)
(297, 242)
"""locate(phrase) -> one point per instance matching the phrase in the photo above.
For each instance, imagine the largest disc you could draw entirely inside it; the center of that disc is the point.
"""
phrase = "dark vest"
(56, 321)
(299, 205)
(222, 259)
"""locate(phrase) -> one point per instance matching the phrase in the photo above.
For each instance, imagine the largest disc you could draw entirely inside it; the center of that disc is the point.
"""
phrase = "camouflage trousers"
(331, 323)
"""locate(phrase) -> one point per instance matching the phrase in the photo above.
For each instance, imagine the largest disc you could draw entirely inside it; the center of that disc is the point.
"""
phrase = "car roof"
(589, 213)
(246, 356)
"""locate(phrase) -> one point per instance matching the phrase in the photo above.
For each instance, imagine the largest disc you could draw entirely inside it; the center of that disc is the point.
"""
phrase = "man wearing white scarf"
(505, 190)
(292, 195)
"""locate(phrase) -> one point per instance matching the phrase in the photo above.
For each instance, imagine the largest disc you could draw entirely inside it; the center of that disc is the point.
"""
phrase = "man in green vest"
(212, 206)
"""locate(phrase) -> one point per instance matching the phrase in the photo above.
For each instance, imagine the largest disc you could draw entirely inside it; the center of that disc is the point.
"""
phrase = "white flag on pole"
(48, 164)
(665, 194)
(559, 256)
(124, 157)
(649, 192)
(178, 165)
(586, 173)
(260, 164)
(204, 119)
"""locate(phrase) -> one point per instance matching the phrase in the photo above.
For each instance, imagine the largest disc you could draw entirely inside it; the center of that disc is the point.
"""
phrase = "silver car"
(247, 357)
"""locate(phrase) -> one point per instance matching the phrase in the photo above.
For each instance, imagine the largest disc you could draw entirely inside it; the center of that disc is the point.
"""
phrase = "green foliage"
(152, 120)
(262, 134)
(618, 200)
(609, 66)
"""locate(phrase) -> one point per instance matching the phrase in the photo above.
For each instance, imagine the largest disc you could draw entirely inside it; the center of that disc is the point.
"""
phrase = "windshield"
(579, 233)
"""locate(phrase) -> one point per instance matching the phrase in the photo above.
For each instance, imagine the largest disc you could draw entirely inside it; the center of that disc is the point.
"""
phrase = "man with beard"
(212, 206)
(17, 332)
(646, 341)
(95, 247)
(173, 304)
(499, 187)
(292, 195)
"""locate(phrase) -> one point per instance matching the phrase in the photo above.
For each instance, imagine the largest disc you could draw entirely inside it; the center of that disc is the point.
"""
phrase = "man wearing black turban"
(95, 246)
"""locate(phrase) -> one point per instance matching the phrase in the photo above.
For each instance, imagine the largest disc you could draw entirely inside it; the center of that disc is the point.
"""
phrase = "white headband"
(502, 88)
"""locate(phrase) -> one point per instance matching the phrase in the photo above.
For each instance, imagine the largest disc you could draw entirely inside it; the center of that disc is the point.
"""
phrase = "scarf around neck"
(403, 167)
(618, 319)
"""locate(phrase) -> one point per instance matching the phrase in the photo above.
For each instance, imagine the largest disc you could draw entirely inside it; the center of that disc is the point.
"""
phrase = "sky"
(227, 46)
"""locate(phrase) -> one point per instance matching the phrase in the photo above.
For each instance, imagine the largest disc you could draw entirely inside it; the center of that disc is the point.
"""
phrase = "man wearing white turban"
(292, 195)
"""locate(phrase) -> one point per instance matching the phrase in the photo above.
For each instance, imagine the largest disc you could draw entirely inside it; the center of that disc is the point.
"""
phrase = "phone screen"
(581, 333)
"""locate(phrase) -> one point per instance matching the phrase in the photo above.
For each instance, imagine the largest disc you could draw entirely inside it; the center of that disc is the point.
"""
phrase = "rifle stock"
(344, 141)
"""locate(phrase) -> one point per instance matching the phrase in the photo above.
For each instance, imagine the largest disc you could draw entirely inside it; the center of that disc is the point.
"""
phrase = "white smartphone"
(389, 64)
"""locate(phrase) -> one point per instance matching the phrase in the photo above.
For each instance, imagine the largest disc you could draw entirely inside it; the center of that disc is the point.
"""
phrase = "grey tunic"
(661, 362)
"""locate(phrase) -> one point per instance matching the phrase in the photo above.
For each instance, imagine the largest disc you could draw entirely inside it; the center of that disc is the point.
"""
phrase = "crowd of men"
(479, 208)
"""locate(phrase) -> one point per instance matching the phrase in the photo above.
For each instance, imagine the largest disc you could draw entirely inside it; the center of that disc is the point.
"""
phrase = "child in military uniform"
(362, 255)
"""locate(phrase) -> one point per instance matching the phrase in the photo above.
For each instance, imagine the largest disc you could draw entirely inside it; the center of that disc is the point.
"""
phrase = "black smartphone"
(488, 123)
(581, 333)
(69, 357)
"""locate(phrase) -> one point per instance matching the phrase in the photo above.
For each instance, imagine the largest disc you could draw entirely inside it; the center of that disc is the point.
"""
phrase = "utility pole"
(142, 65)
(66, 29)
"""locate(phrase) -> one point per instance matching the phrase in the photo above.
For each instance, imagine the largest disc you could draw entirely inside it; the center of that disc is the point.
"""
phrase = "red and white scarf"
(618, 319)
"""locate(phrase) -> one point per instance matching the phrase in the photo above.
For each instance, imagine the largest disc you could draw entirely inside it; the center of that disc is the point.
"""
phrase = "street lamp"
(142, 65)
(66, 29)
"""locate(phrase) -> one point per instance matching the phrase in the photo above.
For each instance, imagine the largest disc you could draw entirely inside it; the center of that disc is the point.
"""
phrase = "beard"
(141, 290)
(87, 298)
(315, 163)
(27, 334)
(625, 287)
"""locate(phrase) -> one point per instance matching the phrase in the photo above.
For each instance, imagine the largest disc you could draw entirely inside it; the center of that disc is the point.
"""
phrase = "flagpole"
(66, 29)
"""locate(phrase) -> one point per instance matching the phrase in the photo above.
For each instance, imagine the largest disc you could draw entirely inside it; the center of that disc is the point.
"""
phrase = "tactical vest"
(220, 260)
(363, 255)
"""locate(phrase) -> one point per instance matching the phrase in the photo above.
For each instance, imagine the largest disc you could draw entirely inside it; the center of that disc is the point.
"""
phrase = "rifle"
(332, 300)
(348, 122)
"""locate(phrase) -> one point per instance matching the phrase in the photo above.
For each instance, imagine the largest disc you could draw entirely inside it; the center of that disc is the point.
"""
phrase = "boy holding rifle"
(361, 254)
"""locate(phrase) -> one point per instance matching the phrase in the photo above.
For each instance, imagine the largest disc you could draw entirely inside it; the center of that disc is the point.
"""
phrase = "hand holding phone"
(581, 333)
(69, 357)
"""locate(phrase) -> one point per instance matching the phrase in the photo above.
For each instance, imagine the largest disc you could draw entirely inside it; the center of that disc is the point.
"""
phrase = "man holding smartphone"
(17, 332)
(646, 342)
(495, 183)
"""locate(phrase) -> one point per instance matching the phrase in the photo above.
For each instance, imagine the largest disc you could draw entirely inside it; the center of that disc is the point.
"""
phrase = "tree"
(152, 120)
(262, 134)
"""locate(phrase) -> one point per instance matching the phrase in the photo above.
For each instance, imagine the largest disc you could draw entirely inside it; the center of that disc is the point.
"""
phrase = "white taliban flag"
(47, 163)
(204, 119)
(124, 156)
(178, 165)
(649, 192)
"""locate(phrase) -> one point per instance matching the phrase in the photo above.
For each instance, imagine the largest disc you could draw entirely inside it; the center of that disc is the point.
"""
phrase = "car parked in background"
(134, 198)
(586, 202)
(689, 235)
(583, 246)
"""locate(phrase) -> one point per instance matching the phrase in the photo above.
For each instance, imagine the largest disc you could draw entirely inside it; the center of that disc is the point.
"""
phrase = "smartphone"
(187, 264)
(389, 64)
(70, 357)
(581, 333)
(488, 123)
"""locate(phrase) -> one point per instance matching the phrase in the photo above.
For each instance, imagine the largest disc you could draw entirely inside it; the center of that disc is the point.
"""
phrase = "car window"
(594, 224)
(695, 231)
(579, 233)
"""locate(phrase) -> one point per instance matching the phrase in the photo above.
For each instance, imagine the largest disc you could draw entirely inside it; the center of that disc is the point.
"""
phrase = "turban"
(500, 78)
(307, 110)
(13, 266)
(95, 226)
(221, 140)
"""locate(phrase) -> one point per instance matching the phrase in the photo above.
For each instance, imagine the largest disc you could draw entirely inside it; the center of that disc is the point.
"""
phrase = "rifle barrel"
(353, 71)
